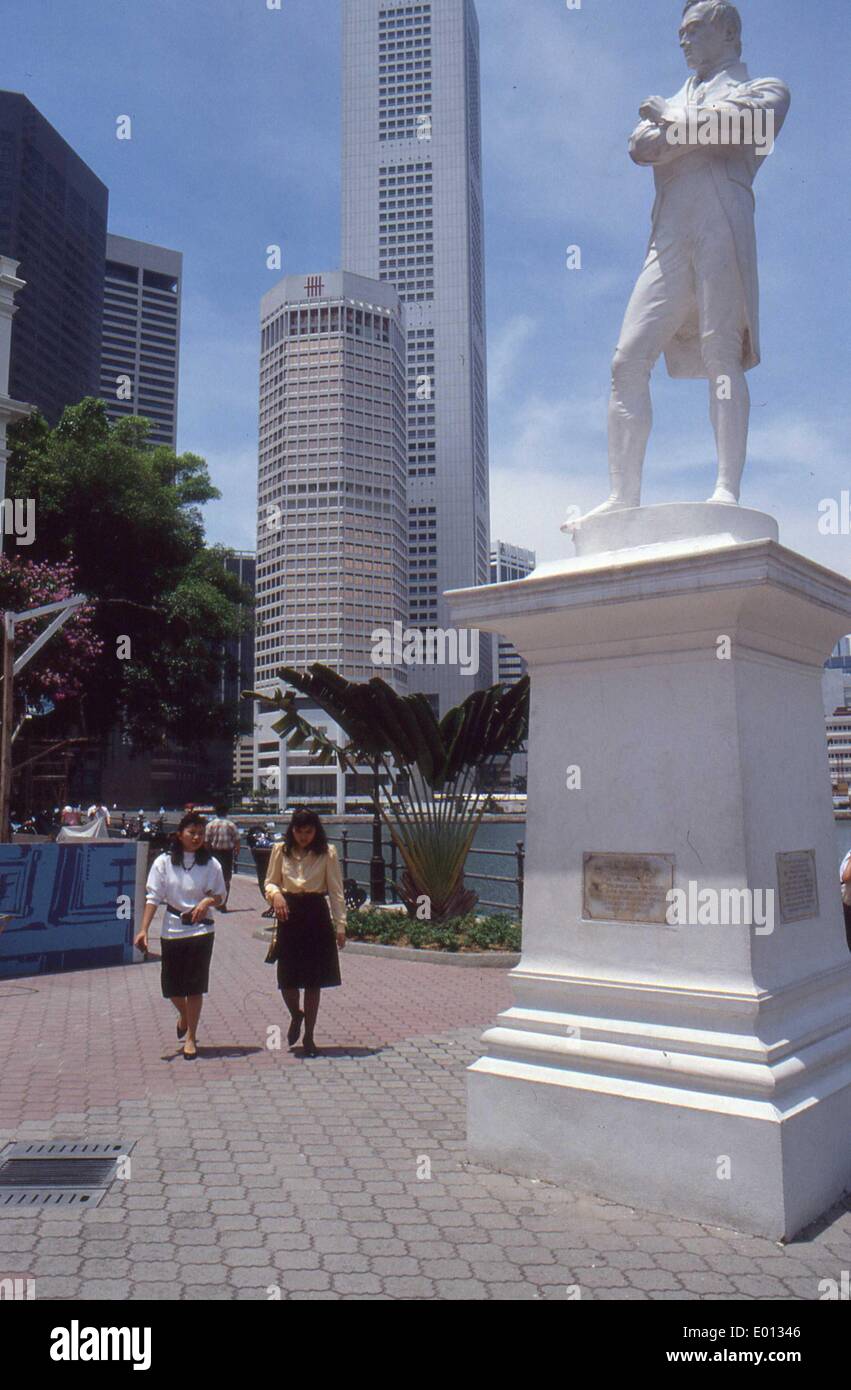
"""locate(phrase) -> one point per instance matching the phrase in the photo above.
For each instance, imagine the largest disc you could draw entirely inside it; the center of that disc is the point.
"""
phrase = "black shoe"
(181, 1032)
(189, 1056)
(295, 1029)
(310, 1048)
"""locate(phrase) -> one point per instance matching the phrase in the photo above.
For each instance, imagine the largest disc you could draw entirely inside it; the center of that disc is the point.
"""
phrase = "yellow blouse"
(308, 873)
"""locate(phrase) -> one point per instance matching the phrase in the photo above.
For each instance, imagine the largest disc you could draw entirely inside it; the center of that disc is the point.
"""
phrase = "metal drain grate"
(57, 1172)
(13, 1199)
(64, 1148)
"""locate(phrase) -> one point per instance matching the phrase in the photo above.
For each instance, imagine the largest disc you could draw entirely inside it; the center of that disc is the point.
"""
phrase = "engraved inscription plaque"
(796, 878)
(626, 887)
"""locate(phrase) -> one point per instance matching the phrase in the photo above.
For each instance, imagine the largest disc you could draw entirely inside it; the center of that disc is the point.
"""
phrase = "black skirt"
(308, 957)
(186, 965)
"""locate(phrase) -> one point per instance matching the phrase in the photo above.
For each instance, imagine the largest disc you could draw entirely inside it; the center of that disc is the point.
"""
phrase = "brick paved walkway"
(257, 1170)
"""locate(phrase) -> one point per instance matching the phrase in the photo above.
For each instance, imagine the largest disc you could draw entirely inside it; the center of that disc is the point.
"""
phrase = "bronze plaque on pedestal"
(627, 887)
(798, 884)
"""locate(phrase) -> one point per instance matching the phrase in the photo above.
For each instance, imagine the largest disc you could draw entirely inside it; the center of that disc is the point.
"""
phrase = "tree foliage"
(163, 604)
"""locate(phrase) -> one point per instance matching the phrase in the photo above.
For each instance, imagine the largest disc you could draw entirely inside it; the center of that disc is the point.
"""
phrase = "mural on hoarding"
(66, 906)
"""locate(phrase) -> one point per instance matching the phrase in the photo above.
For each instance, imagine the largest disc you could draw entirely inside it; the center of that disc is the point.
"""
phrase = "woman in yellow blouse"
(303, 874)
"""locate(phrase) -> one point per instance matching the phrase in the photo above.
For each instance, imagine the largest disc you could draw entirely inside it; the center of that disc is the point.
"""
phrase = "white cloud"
(505, 348)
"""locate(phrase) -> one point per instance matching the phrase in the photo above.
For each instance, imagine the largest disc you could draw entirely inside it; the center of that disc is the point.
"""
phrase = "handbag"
(274, 951)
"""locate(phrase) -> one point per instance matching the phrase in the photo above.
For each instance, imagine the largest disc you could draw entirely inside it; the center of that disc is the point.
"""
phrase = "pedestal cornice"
(634, 602)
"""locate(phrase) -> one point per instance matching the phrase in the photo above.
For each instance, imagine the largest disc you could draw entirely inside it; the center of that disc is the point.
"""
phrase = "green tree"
(127, 515)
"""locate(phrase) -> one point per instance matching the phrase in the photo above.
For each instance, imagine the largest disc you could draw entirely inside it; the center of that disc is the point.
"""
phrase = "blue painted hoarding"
(66, 906)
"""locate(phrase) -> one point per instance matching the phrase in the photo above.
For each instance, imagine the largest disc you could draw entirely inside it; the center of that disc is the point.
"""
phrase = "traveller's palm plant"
(435, 788)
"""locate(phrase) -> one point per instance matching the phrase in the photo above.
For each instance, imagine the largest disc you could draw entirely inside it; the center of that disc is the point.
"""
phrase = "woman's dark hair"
(301, 817)
(175, 849)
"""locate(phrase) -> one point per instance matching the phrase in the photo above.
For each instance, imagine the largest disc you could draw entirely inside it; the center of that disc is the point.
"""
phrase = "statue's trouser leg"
(630, 422)
(723, 324)
(661, 303)
(729, 408)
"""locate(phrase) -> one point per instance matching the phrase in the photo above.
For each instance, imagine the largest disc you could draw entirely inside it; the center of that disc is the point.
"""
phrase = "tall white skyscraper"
(140, 355)
(412, 215)
(331, 543)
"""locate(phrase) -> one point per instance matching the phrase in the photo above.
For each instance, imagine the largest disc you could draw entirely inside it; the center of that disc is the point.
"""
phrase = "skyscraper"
(141, 334)
(412, 216)
(239, 672)
(53, 217)
(331, 543)
(508, 562)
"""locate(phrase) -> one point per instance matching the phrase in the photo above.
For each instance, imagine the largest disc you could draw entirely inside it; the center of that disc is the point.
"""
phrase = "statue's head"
(711, 32)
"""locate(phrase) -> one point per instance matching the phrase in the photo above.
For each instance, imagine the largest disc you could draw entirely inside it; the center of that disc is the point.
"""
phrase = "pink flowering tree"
(57, 674)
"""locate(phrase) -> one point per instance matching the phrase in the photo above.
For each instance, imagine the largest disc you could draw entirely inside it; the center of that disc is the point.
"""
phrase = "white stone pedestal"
(701, 1070)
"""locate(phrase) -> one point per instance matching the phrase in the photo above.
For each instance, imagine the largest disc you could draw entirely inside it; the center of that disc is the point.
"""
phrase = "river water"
(499, 833)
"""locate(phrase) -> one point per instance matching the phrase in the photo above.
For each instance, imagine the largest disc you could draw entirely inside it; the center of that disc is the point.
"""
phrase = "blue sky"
(235, 146)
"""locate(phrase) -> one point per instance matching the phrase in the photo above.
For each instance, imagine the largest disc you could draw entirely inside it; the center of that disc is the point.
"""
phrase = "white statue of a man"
(697, 298)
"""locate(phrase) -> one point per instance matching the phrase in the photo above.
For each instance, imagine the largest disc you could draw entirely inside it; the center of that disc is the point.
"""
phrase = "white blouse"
(183, 887)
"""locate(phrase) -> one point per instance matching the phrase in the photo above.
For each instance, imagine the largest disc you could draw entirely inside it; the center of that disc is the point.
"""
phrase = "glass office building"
(53, 220)
(140, 356)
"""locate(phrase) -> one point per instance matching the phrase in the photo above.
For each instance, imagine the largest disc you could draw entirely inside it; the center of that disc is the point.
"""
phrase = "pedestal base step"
(705, 1158)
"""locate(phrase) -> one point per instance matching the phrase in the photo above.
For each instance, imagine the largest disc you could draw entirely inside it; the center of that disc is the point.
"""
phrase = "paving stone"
(654, 1279)
(104, 1269)
(13, 1243)
(56, 1287)
(310, 1279)
(513, 1292)
(357, 1283)
(49, 1266)
(261, 1278)
(445, 1269)
(465, 1289)
(345, 1264)
(56, 1246)
(626, 1295)
(336, 1245)
(603, 1278)
(98, 1289)
(759, 1286)
(205, 1292)
(198, 1254)
(154, 1270)
(191, 1221)
(706, 1282)
(289, 1259)
(203, 1274)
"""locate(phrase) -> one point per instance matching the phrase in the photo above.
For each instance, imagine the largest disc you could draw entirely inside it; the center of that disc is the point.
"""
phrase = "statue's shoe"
(612, 504)
(724, 496)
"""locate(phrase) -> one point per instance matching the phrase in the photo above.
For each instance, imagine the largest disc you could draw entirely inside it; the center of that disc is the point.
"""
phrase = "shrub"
(471, 933)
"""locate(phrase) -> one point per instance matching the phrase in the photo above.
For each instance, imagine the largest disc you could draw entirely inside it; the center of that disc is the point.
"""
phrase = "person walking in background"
(187, 881)
(845, 885)
(223, 840)
(303, 874)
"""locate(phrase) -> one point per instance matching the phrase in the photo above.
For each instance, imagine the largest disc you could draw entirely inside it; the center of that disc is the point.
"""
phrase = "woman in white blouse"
(187, 881)
(302, 877)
